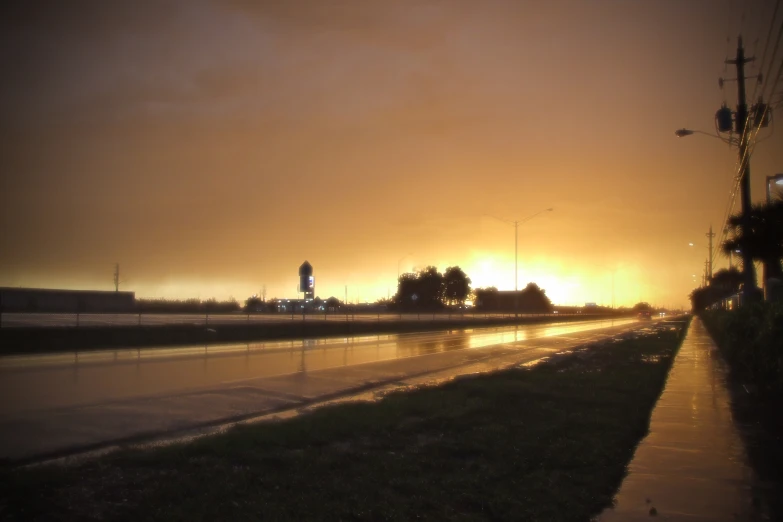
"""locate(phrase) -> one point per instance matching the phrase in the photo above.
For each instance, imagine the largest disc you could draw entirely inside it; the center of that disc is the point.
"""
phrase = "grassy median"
(546, 443)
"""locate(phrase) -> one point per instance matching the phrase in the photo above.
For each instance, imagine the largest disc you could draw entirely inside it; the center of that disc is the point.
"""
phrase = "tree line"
(428, 289)
(186, 306)
(762, 240)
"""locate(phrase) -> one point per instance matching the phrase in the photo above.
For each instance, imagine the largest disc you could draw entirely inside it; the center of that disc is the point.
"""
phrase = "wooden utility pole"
(710, 235)
(741, 127)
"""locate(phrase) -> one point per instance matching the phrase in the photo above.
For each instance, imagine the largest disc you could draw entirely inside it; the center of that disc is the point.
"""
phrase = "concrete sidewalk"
(692, 465)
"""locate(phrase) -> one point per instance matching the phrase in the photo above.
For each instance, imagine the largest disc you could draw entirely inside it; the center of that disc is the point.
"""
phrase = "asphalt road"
(61, 403)
(43, 320)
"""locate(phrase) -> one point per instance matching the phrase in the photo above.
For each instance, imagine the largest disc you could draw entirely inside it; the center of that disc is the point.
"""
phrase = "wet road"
(44, 320)
(53, 403)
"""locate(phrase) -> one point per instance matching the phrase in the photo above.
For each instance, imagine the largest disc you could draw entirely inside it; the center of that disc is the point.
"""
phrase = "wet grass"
(546, 443)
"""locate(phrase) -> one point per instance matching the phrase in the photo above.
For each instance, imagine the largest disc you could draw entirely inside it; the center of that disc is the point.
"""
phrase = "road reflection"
(46, 381)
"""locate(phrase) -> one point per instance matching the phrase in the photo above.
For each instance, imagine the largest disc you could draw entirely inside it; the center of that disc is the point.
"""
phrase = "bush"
(751, 338)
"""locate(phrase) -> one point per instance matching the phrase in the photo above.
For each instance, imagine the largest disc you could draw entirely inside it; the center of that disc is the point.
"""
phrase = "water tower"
(306, 280)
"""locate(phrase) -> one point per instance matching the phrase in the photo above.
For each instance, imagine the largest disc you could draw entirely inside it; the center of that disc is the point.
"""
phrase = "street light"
(749, 274)
(681, 133)
(777, 179)
(516, 250)
(708, 262)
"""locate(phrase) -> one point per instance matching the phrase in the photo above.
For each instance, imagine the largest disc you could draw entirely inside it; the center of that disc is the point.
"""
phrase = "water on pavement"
(65, 403)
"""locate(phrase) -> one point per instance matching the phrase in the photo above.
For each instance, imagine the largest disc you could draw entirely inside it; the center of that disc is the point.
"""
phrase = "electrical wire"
(766, 45)
(750, 147)
(746, 134)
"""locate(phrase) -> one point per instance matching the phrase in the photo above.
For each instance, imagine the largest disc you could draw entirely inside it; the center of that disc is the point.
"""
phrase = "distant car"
(645, 316)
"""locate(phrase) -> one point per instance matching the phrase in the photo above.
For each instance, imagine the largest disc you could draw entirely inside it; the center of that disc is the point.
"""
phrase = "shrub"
(751, 338)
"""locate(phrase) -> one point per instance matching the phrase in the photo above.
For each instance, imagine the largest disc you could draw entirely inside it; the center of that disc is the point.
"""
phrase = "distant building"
(65, 301)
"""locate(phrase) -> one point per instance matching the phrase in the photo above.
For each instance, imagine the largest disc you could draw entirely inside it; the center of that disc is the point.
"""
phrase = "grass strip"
(545, 443)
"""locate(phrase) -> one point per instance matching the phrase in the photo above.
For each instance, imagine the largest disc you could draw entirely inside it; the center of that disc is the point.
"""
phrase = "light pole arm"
(681, 133)
(536, 214)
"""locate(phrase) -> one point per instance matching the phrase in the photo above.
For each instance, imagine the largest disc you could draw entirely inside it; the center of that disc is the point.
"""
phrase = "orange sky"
(210, 147)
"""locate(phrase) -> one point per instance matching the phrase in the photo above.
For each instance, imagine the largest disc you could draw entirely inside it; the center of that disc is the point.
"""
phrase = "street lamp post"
(516, 251)
(739, 122)
(681, 133)
(777, 179)
(749, 274)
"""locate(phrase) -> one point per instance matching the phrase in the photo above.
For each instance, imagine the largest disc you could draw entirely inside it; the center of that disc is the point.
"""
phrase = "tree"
(486, 298)
(728, 280)
(407, 291)
(457, 285)
(431, 288)
(763, 239)
(534, 299)
(422, 291)
(642, 307)
(531, 299)
(723, 284)
(254, 304)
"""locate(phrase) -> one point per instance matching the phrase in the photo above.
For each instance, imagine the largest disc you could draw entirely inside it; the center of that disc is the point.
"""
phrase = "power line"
(745, 136)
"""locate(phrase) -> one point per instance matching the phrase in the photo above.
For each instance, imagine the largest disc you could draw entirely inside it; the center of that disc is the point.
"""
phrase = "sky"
(210, 147)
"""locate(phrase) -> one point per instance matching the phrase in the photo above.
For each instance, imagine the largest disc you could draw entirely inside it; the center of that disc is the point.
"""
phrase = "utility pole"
(748, 270)
(710, 235)
(116, 277)
(705, 278)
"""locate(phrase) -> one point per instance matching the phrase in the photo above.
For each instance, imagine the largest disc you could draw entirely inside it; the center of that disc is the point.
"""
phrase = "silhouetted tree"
(764, 238)
(704, 297)
(531, 299)
(407, 291)
(457, 285)
(188, 306)
(424, 290)
(534, 299)
(723, 284)
(431, 288)
(728, 280)
(486, 298)
(254, 304)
